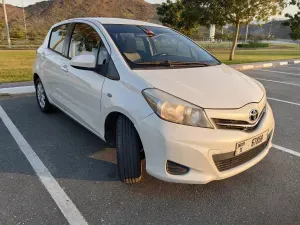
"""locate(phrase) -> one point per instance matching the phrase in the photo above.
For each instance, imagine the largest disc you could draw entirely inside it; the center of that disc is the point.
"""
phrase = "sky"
(290, 9)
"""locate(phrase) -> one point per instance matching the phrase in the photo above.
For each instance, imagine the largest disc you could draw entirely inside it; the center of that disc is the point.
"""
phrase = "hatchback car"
(153, 93)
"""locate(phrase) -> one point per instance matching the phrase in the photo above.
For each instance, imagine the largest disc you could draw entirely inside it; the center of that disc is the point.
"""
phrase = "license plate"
(246, 145)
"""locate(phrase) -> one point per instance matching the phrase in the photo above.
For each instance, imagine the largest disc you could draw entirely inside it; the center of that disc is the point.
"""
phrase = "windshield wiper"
(174, 63)
(157, 63)
(192, 63)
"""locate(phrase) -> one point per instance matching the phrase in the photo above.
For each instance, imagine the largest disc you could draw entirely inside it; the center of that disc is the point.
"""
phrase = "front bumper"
(194, 147)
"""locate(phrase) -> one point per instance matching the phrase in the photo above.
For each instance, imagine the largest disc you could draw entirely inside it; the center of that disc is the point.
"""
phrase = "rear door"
(53, 76)
(82, 92)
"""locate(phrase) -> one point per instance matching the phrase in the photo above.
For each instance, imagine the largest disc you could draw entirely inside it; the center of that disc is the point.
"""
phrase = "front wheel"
(41, 97)
(128, 147)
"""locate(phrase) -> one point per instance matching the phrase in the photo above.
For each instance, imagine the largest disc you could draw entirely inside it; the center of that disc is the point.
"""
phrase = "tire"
(128, 148)
(41, 96)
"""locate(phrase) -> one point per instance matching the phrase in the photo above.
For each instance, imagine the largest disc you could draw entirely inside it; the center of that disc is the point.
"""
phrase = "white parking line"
(278, 100)
(276, 81)
(286, 150)
(273, 71)
(62, 200)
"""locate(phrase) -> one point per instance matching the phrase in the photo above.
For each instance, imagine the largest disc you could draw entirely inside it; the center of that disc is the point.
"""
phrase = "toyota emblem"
(253, 115)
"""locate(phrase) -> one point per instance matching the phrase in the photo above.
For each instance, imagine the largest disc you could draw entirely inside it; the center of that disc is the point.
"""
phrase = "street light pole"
(246, 36)
(271, 28)
(6, 24)
(247, 27)
(24, 21)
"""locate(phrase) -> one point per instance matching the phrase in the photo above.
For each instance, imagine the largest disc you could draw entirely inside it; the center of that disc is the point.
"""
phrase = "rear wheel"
(128, 146)
(41, 97)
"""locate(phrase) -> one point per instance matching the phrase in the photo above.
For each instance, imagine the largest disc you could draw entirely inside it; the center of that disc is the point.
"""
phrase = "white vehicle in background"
(155, 94)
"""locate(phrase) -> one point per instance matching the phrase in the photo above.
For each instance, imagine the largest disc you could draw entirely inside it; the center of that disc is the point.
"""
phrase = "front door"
(82, 94)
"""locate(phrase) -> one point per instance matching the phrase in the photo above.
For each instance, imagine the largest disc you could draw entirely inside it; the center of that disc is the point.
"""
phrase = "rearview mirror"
(84, 62)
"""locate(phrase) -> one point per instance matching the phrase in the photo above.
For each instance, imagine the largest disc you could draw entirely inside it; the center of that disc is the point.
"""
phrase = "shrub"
(253, 45)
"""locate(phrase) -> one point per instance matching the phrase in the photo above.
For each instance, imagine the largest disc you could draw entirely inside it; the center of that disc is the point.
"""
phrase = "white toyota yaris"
(155, 94)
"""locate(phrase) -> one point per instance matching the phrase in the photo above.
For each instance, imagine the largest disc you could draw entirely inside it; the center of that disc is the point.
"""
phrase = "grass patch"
(16, 65)
(257, 55)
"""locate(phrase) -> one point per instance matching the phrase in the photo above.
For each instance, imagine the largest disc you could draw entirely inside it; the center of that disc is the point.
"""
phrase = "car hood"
(211, 87)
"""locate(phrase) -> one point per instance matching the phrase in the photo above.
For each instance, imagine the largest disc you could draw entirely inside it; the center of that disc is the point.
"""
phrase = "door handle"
(64, 68)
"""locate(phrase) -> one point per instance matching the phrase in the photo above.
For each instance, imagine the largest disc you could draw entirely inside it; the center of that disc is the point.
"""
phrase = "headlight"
(175, 110)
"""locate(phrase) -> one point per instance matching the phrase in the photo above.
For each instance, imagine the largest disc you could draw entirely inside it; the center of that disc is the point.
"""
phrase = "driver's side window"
(84, 41)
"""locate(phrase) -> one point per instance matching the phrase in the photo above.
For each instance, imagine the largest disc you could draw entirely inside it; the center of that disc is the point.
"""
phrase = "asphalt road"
(85, 169)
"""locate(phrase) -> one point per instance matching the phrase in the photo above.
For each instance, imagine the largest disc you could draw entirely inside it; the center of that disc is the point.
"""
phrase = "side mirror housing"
(84, 62)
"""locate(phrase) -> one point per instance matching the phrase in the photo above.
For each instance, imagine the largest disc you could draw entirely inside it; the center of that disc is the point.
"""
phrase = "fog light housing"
(176, 169)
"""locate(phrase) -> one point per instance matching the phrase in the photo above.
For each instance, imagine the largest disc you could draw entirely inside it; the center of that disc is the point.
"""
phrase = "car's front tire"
(41, 97)
(128, 147)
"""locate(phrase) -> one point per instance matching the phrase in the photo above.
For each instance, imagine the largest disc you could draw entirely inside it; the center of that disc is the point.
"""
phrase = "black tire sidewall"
(128, 147)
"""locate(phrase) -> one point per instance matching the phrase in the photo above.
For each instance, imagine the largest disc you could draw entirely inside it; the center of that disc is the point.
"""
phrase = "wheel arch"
(35, 77)
(110, 127)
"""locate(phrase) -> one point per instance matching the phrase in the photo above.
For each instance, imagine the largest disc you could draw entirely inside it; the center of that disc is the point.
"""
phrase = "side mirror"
(84, 62)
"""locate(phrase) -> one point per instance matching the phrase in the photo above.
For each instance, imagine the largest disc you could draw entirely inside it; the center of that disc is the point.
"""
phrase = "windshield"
(147, 46)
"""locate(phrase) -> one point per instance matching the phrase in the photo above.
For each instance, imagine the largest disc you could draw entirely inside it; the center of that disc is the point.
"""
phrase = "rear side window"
(58, 35)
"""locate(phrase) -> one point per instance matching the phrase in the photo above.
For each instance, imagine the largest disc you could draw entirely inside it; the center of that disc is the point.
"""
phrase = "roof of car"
(105, 20)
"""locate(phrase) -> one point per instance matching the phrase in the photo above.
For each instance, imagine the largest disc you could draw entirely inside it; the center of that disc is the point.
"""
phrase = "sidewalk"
(27, 87)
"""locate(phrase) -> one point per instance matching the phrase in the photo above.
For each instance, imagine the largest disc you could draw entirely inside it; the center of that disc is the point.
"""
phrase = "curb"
(17, 90)
(30, 88)
(250, 66)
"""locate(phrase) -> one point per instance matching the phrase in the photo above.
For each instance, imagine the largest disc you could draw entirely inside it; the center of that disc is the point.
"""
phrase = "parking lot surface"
(85, 169)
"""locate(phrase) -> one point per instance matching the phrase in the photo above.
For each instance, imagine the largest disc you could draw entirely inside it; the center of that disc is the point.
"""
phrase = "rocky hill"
(43, 15)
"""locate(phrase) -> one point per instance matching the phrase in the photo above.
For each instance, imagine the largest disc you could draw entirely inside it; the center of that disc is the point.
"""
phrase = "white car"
(153, 93)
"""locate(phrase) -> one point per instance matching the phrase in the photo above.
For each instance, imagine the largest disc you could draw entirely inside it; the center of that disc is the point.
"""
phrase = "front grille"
(239, 124)
(228, 161)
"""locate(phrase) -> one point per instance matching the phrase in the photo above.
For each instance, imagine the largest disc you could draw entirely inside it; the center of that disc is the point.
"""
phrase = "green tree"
(294, 22)
(205, 12)
(235, 12)
(17, 32)
(176, 16)
(2, 27)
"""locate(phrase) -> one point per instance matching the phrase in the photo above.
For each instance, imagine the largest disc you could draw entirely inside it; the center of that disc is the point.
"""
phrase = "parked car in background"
(153, 93)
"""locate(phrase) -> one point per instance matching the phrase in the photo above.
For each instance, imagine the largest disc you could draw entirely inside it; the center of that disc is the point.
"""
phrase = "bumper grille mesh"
(228, 161)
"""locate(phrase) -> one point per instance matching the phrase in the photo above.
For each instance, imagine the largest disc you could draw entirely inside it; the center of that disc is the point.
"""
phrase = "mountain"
(41, 16)
(274, 28)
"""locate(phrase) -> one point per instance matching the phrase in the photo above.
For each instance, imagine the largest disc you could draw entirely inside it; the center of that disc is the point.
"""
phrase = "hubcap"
(41, 95)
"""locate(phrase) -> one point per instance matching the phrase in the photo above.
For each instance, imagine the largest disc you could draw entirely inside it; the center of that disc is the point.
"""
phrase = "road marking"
(286, 150)
(268, 65)
(62, 200)
(279, 72)
(278, 100)
(295, 67)
(276, 81)
(248, 67)
(283, 63)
